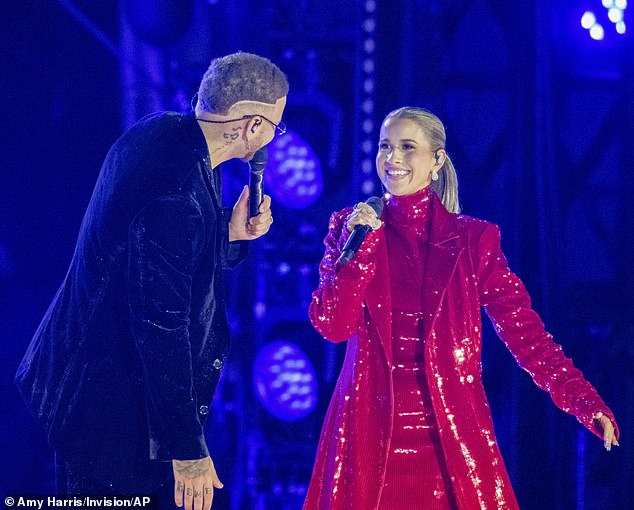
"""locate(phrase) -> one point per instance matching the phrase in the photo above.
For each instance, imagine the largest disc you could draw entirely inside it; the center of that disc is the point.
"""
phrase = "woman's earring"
(434, 175)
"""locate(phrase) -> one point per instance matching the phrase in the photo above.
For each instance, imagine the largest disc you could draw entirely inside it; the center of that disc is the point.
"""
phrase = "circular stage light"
(588, 19)
(284, 381)
(293, 174)
(597, 32)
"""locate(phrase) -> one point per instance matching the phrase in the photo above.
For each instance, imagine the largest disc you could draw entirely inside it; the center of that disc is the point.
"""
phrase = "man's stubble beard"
(255, 145)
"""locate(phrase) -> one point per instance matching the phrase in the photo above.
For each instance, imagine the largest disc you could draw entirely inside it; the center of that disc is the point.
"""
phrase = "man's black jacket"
(122, 370)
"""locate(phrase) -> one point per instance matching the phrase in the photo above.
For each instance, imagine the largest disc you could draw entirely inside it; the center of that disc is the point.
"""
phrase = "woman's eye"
(407, 147)
(384, 147)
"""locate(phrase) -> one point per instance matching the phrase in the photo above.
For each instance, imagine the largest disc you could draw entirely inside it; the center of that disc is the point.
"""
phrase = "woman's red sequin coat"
(465, 270)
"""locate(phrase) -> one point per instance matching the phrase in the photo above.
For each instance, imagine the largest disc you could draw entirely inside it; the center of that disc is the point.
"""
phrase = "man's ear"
(254, 124)
(250, 130)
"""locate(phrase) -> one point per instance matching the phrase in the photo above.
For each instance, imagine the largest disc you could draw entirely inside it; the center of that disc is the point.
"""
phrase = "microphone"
(359, 232)
(256, 165)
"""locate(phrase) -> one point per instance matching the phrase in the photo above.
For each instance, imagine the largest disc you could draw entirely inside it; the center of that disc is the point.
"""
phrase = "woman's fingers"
(363, 214)
(609, 435)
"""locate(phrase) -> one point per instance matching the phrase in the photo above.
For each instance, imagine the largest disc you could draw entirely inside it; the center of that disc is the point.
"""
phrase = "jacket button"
(204, 410)
(218, 364)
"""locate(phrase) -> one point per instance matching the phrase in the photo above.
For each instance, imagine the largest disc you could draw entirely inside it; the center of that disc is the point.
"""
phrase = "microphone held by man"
(256, 175)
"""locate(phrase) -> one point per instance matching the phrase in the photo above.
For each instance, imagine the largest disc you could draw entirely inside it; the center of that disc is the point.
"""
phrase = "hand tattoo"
(189, 469)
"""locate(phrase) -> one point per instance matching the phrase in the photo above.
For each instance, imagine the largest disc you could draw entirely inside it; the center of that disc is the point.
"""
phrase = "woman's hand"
(363, 214)
(605, 425)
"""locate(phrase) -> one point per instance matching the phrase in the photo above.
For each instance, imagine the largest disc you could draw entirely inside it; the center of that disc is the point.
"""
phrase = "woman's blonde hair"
(446, 187)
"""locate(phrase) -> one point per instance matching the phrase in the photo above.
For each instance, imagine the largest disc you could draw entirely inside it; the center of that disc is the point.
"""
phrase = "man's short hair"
(240, 77)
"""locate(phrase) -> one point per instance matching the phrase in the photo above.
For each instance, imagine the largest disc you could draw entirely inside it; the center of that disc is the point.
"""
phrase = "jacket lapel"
(444, 247)
(378, 296)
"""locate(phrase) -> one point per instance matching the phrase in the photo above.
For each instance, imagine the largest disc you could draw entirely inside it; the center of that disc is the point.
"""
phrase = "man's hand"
(194, 482)
(243, 228)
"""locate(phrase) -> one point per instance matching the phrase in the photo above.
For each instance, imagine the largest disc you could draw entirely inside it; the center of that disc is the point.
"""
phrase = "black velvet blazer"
(124, 365)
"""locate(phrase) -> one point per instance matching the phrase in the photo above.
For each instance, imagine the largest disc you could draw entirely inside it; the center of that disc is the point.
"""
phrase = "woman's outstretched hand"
(609, 434)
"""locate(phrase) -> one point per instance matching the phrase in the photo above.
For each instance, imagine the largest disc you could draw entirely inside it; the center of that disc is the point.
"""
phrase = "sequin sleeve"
(509, 307)
(336, 305)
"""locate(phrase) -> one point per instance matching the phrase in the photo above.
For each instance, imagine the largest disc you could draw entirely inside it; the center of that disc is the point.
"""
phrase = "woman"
(409, 425)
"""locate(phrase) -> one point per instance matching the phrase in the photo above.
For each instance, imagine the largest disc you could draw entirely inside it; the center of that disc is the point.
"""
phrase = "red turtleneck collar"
(410, 210)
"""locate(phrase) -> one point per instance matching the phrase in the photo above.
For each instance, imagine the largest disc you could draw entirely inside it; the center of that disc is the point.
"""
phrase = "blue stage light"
(588, 20)
(284, 381)
(597, 32)
(293, 175)
(283, 268)
(615, 15)
(368, 187)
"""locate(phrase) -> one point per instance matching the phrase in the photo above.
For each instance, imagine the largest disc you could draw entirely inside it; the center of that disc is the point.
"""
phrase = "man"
(123, 367)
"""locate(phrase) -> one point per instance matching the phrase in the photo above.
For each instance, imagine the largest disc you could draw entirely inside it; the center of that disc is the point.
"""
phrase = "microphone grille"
(376, 203)
(259, 159)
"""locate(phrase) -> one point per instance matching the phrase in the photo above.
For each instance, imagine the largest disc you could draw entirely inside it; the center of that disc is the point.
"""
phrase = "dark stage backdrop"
(540, 122)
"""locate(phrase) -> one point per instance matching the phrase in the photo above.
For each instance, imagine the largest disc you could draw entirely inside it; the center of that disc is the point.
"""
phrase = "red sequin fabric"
(439, 306)
(416, 476)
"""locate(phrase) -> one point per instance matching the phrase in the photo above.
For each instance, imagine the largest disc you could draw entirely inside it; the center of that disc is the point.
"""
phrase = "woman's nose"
(393, 155)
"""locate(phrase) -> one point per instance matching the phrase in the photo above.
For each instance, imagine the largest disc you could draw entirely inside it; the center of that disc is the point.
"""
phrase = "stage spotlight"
(615, 15)
(293, 175)
(588, 20)
(368, 187)
(597, 32)
(285, 381)
(283, 268)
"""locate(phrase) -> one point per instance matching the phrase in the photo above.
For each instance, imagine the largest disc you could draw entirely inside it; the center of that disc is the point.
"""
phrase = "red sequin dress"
(357, 466)
(416, 474)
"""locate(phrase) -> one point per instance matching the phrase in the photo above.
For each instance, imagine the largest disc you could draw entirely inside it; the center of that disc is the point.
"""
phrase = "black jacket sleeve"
(166, 241)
